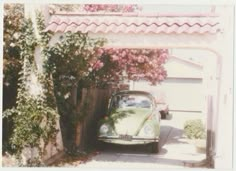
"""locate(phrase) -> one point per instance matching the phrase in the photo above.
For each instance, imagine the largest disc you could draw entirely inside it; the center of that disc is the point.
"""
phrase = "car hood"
(129, 121)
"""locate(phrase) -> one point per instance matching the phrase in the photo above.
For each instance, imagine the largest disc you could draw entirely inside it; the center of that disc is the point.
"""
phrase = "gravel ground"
(65, 161)
(74, 161)
(8, 161)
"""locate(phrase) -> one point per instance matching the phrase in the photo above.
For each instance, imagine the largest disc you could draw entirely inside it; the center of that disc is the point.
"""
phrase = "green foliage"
(44, 36)
(194, 129)
(34, 116)
(46, 77)
(12, 20)
(13, 17)
(70, 58)
(33, 121)
(22, 94)
(114, 116)
(68, 63)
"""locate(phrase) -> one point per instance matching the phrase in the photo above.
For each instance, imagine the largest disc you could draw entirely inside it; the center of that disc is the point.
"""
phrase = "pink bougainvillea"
(111, 7)
(98, 65)
(133, 64)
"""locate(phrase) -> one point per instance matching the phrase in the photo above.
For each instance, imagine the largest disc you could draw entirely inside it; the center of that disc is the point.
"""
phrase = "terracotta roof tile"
(127, 24)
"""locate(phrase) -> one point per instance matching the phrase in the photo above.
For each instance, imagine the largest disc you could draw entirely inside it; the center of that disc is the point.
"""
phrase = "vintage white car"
(132, 118)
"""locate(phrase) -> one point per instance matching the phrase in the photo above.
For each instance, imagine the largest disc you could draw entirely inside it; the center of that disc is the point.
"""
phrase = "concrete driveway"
(175, 150)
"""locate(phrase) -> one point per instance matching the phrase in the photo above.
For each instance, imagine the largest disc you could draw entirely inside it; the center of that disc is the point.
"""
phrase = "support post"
(210, 133)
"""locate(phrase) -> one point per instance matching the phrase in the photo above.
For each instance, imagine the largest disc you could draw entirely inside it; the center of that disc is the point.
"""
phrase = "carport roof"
(134, 23)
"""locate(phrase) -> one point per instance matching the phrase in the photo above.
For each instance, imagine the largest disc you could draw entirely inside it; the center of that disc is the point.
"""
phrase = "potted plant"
(195, 130)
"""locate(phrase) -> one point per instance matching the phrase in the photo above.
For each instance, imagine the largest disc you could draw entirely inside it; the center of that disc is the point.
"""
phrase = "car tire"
(163, 115)
(153, 147)
(100, 145)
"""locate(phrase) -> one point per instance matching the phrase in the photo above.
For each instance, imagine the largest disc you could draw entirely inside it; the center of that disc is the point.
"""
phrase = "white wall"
(179, 94)
(181, 67)
(224, 123)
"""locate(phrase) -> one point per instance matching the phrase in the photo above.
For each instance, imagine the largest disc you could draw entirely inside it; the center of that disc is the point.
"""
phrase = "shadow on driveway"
(135, 159)
(141, 153)
(168, 135)
(175, 151)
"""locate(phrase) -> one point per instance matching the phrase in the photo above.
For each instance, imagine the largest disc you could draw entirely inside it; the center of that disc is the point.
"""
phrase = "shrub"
(195, 129)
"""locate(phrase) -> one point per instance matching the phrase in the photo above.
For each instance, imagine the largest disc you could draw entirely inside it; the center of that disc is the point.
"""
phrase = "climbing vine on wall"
(45, 77)
(34, 119)
(112, 7)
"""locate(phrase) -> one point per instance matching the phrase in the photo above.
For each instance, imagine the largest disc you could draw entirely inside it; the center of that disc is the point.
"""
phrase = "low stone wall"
(54, 150)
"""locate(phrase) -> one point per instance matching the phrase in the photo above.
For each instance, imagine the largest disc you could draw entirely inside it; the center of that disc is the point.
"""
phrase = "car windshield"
(131, 100)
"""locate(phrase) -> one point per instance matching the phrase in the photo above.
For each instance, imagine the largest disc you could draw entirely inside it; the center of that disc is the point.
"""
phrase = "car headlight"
(148, 130)
(104, 129)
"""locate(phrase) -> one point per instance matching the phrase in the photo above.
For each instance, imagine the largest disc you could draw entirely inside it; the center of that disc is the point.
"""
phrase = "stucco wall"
(177, 68)
(179, 94)
(224, 124)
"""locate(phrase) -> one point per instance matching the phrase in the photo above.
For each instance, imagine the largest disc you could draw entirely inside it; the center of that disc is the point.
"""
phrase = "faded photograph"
(145, 86)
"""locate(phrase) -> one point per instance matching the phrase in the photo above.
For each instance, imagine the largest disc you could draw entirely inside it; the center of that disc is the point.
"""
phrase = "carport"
(209, 32)
(185, 79)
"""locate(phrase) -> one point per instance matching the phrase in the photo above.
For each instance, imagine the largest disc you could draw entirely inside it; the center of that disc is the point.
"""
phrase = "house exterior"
(210, 32)
(182, 90)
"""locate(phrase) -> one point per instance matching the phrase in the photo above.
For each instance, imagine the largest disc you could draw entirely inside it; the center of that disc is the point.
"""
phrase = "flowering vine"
(69, 62)
(131, 64)
(111, 7)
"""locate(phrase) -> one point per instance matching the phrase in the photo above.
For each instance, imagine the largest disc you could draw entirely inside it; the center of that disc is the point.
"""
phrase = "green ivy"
(46, 77)
(34, 116)
(65, 66)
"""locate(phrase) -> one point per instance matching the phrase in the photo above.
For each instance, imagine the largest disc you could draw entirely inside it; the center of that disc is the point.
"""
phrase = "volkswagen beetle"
(132, 118)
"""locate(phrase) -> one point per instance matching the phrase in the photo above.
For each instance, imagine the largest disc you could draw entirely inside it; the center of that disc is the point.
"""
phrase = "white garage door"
(181, 94)
(184, 94)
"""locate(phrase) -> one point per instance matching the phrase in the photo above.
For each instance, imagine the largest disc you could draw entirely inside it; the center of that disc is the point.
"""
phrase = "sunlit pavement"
(175, 150)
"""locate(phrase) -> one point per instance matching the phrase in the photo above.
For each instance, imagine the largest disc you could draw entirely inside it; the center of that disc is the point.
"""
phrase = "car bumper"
(133, 140)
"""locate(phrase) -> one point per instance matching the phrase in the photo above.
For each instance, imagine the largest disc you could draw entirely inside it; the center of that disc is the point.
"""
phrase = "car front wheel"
(153, 147)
